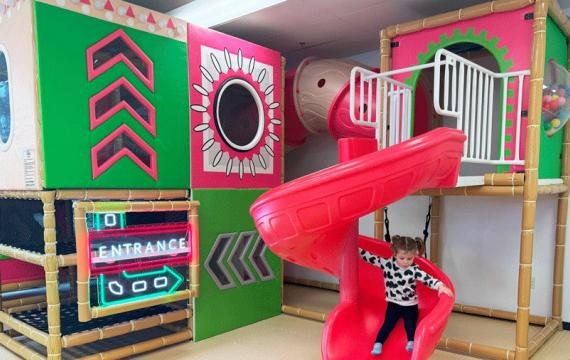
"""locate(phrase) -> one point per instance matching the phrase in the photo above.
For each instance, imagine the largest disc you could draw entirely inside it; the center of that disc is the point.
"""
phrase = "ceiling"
(327, 28)
(331, 28)
(162, 6)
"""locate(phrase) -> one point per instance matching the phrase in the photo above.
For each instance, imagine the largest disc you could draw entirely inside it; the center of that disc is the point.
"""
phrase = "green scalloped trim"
(458, 37)
(491, 45)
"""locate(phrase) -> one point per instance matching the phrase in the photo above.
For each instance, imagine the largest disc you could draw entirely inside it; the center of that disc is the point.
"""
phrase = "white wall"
(318, 152)
(480, 235)
(480, 250)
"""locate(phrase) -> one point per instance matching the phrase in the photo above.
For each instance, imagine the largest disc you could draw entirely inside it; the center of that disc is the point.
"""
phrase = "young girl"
(400, 276)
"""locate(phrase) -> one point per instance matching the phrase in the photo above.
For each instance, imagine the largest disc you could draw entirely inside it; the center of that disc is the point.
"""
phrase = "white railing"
(463, 90)
(467, 94)
(381, 92)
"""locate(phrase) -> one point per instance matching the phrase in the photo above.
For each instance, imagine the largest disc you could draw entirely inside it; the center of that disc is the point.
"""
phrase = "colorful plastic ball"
(548, 126)
(554, 105)
(554, 97)
(561, 101)
(555, 122)
(546, 106)
(561, 92)
(546, 99)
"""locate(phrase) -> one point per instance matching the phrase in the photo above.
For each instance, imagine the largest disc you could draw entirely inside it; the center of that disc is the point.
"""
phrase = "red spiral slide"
(313, 221)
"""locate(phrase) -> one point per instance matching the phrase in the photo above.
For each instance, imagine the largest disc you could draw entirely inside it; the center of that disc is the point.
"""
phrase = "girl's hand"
(445, 290)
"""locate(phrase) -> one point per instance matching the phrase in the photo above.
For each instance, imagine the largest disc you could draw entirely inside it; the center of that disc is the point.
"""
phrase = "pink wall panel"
(217, 64)
(506, 35)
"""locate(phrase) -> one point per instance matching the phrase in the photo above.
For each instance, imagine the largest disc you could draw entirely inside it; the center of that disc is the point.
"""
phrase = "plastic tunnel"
(317, 95)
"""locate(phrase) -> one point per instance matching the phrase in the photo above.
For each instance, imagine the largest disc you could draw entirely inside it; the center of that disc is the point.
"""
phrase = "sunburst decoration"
(256, 155)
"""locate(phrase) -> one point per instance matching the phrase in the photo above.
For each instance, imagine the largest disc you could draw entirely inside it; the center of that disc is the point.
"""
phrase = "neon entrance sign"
(104, 221)
(139, 247)
(134, 254)
(124, 287)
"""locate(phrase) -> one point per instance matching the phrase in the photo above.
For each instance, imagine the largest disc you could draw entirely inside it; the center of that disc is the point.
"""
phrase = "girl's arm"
(427, 280)
(432, 282)
(372, 259)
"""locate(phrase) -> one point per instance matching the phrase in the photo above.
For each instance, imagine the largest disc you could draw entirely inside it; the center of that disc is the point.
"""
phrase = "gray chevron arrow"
(236, 260)
(214, 262)
(259, 262)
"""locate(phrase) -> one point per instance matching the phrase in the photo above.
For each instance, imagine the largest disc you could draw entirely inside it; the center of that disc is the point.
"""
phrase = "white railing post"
(395, 98)
(504, 118)
(519, 115)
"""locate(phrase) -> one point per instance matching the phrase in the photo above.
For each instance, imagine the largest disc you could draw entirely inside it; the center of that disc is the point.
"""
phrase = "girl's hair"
(407, 244)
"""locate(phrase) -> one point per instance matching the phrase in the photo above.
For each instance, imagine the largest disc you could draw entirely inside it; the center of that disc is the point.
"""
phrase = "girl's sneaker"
(410, 346)
(377, 349)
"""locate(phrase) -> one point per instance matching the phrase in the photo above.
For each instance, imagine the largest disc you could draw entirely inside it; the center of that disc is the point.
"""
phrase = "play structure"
(480, 70)
(117, 126)
(133, 144)
(317, 226)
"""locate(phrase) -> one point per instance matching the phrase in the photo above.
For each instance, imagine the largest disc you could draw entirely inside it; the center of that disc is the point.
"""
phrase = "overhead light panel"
(209, 13)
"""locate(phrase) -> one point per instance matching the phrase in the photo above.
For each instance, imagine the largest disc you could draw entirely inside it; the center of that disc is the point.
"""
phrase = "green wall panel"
(551, 147)
(217, 311)
(62, 40)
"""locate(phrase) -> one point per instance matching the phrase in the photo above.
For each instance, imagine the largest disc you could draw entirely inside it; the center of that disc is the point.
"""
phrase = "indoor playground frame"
(520, 185)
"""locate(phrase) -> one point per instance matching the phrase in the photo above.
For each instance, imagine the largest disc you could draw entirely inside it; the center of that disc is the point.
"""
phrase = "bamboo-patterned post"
(531, 178)
(435, 228)
(51, 272)
(194, 268)
(562, 218)
(385, 56)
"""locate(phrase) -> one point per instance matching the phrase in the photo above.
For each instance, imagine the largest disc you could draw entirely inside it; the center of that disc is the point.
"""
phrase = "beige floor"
(460, 326)
(280, 338)
(289, 338)
(479, 329)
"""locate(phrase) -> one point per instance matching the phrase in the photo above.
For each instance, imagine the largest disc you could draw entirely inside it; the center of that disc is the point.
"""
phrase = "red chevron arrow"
(111, 50)
(123, 142)
(122, 95)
